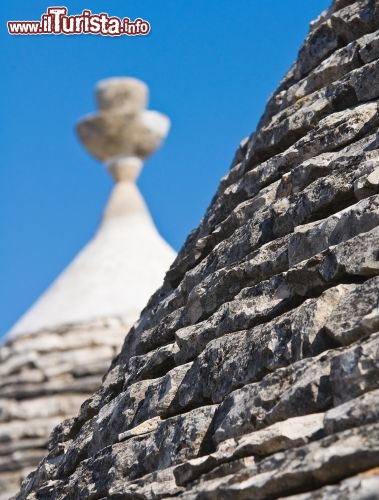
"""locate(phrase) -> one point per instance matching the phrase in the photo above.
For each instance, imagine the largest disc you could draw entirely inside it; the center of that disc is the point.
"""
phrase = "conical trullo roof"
(114, 275)
(55, 354)
(254, 373)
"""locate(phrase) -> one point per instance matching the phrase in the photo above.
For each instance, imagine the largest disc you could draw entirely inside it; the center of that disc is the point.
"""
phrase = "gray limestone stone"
(253, 372)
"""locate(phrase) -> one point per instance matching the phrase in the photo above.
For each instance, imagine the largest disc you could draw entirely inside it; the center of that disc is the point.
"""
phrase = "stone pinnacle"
(123, 133)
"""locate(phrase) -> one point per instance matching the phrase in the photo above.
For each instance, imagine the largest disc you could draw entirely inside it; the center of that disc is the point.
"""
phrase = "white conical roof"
(56, 354)
(119, 269)
(114, 274)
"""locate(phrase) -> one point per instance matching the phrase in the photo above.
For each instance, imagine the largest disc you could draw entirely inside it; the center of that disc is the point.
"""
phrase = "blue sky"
(210, 65)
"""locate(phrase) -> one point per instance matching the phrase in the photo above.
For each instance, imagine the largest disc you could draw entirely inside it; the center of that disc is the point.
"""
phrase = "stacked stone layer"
(254, 371)
(56, 354)
(45, 376)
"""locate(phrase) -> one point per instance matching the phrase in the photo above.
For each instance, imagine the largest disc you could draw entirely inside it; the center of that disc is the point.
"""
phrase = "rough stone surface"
(56, 354)
(254, 371)
(44, 378)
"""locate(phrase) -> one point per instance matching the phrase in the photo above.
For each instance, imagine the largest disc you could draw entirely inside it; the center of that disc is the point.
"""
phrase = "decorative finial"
(123, 133)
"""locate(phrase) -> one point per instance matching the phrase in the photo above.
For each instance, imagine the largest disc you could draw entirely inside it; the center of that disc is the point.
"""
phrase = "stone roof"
(253, 372)
(118, 270)
(113, 275)
(56, 353)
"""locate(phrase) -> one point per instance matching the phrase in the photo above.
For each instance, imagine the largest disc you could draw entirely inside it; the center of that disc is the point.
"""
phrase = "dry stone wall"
(254, 371)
